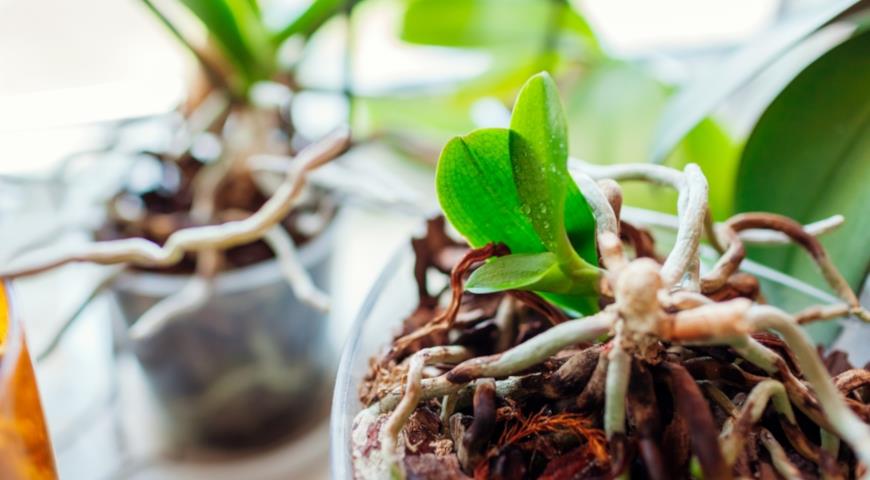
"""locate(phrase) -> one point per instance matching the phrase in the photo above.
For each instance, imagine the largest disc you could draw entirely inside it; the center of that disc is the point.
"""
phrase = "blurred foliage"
(619, 111)
(613, 112)
(515, 24)
(245, 41)
(698, 99)
(805, 158)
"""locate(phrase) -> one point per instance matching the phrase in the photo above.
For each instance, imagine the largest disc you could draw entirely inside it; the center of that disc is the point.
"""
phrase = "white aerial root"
(146, 253)
(753, 407)
(846, 424)
(381, 190)
(688, 240)
(780, 460)
(191, 297)
(291, 266)
(413, 390)
(602, 210)
(616, 385)
(691, 186)
(536, 349)
(694, 217)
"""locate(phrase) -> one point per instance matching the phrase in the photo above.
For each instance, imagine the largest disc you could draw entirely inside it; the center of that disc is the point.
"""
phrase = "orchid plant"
(546, 224)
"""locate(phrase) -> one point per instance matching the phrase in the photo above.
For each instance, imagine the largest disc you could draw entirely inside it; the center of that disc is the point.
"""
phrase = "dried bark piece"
(645, 418)
(577, 370)
(704, 435)
(444, 321)
(640, 239)
(429, 466)
(479, 433)
(534, 301)
(593, 393)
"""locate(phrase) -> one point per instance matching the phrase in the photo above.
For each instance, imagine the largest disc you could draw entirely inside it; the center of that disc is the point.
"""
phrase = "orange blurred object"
(25, 449)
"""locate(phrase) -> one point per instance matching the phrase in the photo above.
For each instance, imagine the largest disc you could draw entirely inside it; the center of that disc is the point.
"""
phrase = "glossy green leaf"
(808, 157)
(523, 271)
(539, 156)
(698, 99)
(512, 186)
(475, 187)
(491, 23)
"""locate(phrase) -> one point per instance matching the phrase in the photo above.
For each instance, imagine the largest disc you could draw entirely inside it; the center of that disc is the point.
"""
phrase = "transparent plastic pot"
(394, 296)
(246, 370)
(25, 448)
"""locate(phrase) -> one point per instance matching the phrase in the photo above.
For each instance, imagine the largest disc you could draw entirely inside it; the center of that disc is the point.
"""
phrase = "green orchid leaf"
(512, 186)
(475, 187)
(525, 271)
(491, 23)
(808, 157)
(522, 271)
(539, 156)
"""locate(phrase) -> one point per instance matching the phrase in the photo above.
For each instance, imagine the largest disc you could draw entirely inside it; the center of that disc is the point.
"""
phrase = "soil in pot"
(481, 412)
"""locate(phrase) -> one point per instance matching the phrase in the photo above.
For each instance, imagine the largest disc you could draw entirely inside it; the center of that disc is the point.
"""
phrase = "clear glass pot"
(249, 368)
(394, 296)
(25, 448)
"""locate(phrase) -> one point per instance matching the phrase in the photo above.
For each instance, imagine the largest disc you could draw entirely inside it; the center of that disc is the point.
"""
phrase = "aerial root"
(444, 321)
(141, 252)
(413, 390)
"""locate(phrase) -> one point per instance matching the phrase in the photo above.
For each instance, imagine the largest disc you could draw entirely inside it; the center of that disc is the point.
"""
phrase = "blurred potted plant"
(252, 337)
(500, 381)
(242, 366)
(220, 331)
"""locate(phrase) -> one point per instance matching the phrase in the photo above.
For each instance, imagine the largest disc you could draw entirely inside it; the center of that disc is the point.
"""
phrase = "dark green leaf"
(808, 157)
(539, 156)
(698, 99)
(476, 190)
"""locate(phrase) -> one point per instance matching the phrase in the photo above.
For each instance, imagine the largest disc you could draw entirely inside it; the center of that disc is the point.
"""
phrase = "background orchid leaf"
(694, 102)
(808, 157)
